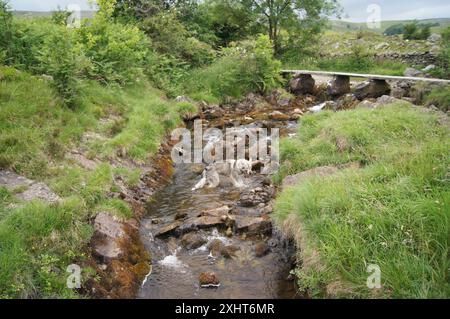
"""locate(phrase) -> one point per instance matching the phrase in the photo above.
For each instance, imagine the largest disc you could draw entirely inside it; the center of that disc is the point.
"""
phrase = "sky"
(354, 10)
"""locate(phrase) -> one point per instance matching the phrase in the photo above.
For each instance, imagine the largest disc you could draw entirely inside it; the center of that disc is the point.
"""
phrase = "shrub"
(245, 67)
(63, 59)
(117, 51)
(5, 29)
(414, 31)
(439, 97)
(170, 37)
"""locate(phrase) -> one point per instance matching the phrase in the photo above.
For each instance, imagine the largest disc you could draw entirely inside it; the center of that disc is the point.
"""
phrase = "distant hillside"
(339, 25)
(33, 14)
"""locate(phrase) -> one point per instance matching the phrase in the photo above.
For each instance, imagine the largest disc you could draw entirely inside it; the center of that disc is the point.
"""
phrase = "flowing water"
(175, 270)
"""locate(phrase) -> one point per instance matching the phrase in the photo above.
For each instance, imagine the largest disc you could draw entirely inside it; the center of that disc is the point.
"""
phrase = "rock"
(180, 215)
(382, 46)
(168, 229)
(211, 112)
(229, 232)
(216, 212)
(261, 249)
(317, 108)
(183, 98)
(200, 223)
(434, 38)
(208, 280)
(302, 84)
(108, 230)
(429, 68)
(372, 89)
(340, 85)
(27, 189)
(386, 99)
(218, 248)
(254, 197)
(107, 248)
(411, 72)
(367, 104)
(254, 226)
(401, 89)
(192, 241)
(108, 225)
(346, 102)
(278, 116)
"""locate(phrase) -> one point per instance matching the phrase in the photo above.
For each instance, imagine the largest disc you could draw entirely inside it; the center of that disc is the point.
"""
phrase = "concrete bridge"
(304, 83)
(366, 76)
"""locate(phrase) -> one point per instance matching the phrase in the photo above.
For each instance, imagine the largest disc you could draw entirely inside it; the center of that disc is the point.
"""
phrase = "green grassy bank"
(393, 212)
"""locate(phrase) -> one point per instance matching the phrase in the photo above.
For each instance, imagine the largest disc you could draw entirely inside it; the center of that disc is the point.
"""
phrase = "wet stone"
(261, 249)
(208, 280)
(192, 241)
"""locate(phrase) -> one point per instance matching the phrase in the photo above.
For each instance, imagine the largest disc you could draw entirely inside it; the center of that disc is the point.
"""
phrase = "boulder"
(386, 99)
(340, 85)
(208, 280)
(254, 226)
(302, 84)
(192, 241)
(107, 248)
(434, 38)
(108, 225)
(372, 89)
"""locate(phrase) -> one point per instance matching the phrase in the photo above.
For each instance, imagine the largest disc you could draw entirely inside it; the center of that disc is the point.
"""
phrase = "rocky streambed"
(219, 242)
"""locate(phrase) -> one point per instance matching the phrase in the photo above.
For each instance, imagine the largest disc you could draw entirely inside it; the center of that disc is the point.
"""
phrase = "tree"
(291, 15)
(5, 29)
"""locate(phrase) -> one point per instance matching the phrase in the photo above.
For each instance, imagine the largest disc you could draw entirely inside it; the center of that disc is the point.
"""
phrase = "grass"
(394, 212)
(348, 64)
(38, 241)
(439, 97)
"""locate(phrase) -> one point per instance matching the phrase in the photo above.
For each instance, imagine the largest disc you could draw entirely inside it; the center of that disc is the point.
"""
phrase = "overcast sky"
(354, 10)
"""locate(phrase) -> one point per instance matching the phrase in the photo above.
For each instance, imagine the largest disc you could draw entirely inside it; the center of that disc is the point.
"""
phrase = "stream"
(242, 272)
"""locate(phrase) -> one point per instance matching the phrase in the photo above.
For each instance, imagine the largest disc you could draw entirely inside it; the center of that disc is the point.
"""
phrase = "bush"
(414, 31)
(5, 29)
(170, 37)
(439, 97)
(63, 59)
(245, 67)
(118, 52)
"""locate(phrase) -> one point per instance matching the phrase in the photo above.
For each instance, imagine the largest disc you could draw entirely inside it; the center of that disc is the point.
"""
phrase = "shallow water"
(175, 270)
